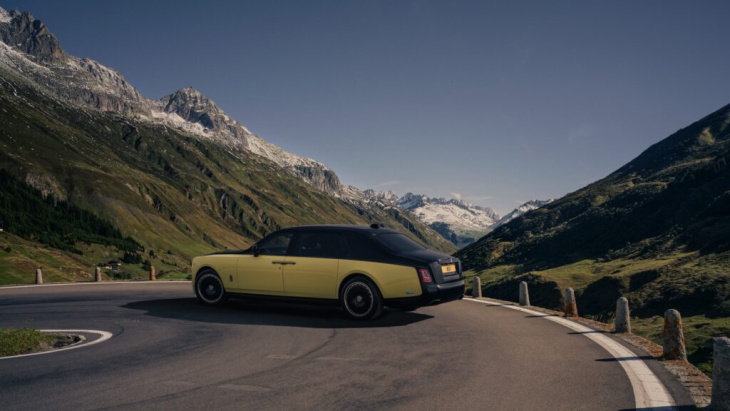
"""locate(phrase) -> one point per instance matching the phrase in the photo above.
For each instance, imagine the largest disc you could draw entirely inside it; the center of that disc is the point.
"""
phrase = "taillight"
(425, 275)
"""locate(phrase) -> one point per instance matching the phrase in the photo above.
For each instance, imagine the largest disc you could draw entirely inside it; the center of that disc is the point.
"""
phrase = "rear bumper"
(441, 293)
(432, 294)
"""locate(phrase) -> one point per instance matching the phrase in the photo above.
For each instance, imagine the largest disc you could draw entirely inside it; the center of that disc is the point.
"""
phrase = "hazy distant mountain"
(176, 173)
(458, 221)
(519, 211)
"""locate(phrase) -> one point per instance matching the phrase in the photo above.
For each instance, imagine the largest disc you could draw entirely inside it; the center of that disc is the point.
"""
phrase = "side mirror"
(255, 250)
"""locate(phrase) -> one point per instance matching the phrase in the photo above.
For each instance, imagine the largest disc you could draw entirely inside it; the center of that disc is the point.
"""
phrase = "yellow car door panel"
(311, 277)
(260, 274)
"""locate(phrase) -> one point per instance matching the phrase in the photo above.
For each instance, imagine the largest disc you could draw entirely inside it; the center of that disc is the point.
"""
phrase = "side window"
(357, 247)
(315, 244)
(276, 244)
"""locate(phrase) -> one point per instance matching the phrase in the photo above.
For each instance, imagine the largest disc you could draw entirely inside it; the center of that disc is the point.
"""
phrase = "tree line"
(25, 212)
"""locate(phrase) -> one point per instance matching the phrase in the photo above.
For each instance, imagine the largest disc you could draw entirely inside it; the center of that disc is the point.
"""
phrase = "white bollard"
(623, 322)
(153, 273)
(476, 287)
(571, 309)
(721, 375)
(39, 276)
(673, 346)
(524, 294)
(97, 274)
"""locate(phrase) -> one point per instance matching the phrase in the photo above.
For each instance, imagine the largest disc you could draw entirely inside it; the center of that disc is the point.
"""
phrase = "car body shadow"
(269, 313)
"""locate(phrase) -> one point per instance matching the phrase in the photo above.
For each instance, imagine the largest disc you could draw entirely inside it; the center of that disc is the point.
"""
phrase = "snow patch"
(278, 155)
(5, 16)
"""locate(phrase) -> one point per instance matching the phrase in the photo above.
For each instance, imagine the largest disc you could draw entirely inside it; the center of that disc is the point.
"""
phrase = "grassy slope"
(177, 195)
(23, 341)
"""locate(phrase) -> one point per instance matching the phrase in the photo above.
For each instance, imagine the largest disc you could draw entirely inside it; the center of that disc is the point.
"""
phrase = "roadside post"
(153, 273)
(721, 375)
(673, 347)
(476, 287)
(39, 275)
(623, 322)
(97, 274)
(524, 294)
(571, 308)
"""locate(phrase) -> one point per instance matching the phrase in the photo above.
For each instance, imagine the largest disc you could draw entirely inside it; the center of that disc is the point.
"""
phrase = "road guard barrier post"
(571, 308)
(721, 375)
(97, 274)
(673, 347)
(623, 322)
(524, 294)
(39, 276)
(476, 287)
(153, 273)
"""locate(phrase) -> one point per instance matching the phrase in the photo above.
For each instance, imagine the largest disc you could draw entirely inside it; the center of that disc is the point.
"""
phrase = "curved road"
(168, 352)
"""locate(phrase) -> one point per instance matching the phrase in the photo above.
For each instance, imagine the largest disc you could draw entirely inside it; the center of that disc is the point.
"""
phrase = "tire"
(361, 299)
(209, 288)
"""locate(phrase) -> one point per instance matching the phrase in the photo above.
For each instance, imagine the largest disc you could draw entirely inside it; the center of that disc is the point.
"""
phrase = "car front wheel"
(209, 288)
(361, 299)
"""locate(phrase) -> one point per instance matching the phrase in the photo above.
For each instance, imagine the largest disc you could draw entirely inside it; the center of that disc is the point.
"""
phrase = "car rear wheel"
(361, 299)
(209, 288)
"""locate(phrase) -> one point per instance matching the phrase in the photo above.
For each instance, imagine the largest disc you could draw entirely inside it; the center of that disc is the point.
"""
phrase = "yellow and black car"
(360, 268)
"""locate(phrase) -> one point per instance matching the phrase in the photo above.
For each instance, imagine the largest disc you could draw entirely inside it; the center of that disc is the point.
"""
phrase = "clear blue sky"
(497, 102)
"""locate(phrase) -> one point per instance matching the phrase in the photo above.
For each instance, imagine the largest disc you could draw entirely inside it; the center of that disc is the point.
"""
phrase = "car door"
(261, 273)
(311, 266)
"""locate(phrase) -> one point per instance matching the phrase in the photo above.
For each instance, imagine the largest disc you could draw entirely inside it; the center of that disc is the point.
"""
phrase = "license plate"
(448, 268)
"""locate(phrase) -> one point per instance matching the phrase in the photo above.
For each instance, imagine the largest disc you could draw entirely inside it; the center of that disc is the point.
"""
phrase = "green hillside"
(656, 231)
(175, 194)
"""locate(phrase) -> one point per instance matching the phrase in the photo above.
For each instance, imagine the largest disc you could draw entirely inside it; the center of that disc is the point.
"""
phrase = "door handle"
(283, 262)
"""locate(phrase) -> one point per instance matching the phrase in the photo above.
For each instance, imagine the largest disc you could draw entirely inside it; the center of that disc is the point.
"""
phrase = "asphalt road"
(168, 352)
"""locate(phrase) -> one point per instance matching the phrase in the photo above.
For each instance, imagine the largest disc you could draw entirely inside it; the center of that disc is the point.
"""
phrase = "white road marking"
(649, 392)
(104, 335)
(14, 287)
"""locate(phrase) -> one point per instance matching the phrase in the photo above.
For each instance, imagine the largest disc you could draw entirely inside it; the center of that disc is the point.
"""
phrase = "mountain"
(458, 221)
(455, 220)
(176, 174)
(519, 211)
(657, 231)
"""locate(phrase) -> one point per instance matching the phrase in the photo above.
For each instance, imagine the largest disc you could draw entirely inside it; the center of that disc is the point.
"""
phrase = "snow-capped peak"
(5, 16)
(522, 209)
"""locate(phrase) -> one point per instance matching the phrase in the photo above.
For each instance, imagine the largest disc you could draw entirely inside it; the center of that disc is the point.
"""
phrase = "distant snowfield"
(454, 216)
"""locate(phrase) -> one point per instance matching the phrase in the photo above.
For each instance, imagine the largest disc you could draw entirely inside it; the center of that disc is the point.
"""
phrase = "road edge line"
(649, 391)
(105, 335)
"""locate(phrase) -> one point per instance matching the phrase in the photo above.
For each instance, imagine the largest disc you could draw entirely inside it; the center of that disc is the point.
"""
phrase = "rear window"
(398, 242)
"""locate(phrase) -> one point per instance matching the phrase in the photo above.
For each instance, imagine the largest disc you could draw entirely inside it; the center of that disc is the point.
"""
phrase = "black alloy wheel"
(209, 288)
(361, 299)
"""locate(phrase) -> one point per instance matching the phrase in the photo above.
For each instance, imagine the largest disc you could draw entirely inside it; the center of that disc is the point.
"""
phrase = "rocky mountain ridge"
(173, 170)
(31, 48)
